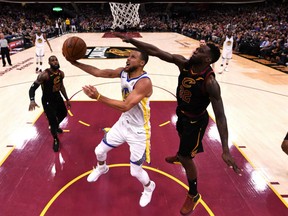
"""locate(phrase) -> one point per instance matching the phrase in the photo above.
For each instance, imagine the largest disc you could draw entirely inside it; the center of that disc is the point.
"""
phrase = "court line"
(267, 182)
(254, 167)
(86, 124)
(7, 155)
(165, 123)
(13, 146)
(120, 165)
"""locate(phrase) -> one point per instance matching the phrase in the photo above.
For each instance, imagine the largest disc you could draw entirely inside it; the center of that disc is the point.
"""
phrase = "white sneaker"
(147, 194)
(221, 70)
(97, 172)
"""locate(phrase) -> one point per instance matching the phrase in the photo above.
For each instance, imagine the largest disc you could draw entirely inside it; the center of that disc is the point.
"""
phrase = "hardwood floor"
(255, 99)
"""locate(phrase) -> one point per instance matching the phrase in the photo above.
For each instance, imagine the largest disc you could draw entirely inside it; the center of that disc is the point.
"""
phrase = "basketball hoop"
(124, 14)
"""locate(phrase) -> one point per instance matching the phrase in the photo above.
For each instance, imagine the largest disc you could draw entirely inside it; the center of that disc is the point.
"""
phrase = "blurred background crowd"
(259, 29)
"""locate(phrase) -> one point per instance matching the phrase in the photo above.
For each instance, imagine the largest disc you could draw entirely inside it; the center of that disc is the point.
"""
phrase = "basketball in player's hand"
(74, 48)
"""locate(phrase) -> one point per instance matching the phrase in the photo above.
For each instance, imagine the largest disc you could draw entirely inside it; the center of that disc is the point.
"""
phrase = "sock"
(193, 187)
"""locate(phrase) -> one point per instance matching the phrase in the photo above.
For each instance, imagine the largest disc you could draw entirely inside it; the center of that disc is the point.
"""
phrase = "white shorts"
(137, 138)
(227, 54)
(40, 51)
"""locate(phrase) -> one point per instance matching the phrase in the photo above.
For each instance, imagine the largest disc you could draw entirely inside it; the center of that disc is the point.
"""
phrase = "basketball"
(74, 48)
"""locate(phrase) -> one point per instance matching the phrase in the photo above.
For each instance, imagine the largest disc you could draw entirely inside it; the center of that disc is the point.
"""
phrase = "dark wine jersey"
(191, 95)
(51, 87)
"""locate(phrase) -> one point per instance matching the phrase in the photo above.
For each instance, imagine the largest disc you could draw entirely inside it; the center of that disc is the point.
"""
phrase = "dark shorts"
(191, 132)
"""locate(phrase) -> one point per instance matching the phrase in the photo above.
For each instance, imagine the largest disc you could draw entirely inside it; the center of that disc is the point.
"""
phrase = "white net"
(124, 15)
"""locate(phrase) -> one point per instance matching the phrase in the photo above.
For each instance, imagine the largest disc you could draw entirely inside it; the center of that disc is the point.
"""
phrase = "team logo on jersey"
(125, 93)
(229, 43)
(108, 52)
(188, 82)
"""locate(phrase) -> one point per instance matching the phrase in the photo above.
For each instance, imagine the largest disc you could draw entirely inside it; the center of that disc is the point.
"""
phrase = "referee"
(4, 50)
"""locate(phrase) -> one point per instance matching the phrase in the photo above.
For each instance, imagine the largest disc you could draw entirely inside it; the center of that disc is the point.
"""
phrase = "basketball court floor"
(36, 181)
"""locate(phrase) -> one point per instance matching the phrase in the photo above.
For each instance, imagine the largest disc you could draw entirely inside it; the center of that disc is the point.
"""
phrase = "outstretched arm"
(154, 51)
(213, 90)
(105, 73)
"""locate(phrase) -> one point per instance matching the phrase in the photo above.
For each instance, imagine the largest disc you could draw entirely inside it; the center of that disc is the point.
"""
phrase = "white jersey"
(39, 41)
(227, 47)
(138, 115)
(133, 126)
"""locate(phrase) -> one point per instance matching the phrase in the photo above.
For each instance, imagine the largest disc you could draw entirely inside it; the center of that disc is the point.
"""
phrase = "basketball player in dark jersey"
(197, 87)
(51, 81)
(284, 145)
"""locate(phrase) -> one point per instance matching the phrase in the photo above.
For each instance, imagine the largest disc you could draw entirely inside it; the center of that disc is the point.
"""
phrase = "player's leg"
(61, 113)
(37, 53)
(191, 133)
(41, 57)
(111, 140)
(139, 143)
(50, 111)
(228, 58)
(222, 63)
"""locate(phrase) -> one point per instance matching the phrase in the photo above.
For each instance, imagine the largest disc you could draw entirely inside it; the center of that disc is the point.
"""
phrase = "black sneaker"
(56, 145)
(59, 131)
(172, 160)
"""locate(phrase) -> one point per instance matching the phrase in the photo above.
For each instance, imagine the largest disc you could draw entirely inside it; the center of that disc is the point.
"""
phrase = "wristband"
(99, 95)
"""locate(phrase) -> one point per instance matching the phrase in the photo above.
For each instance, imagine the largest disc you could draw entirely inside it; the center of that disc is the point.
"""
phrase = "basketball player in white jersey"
(133, 126)
(227, 51)
(39, 42)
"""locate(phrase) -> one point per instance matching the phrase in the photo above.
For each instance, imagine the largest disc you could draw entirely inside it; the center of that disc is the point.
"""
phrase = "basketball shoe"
(173, 160)
(221, 69)
(190, 204)
(147, 194)
(97, 172)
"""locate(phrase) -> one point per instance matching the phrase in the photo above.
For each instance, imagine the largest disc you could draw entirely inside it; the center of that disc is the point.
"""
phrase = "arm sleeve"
(32, 90)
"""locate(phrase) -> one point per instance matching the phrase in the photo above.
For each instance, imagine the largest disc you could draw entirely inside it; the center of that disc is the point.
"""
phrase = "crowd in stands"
(259, 29)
